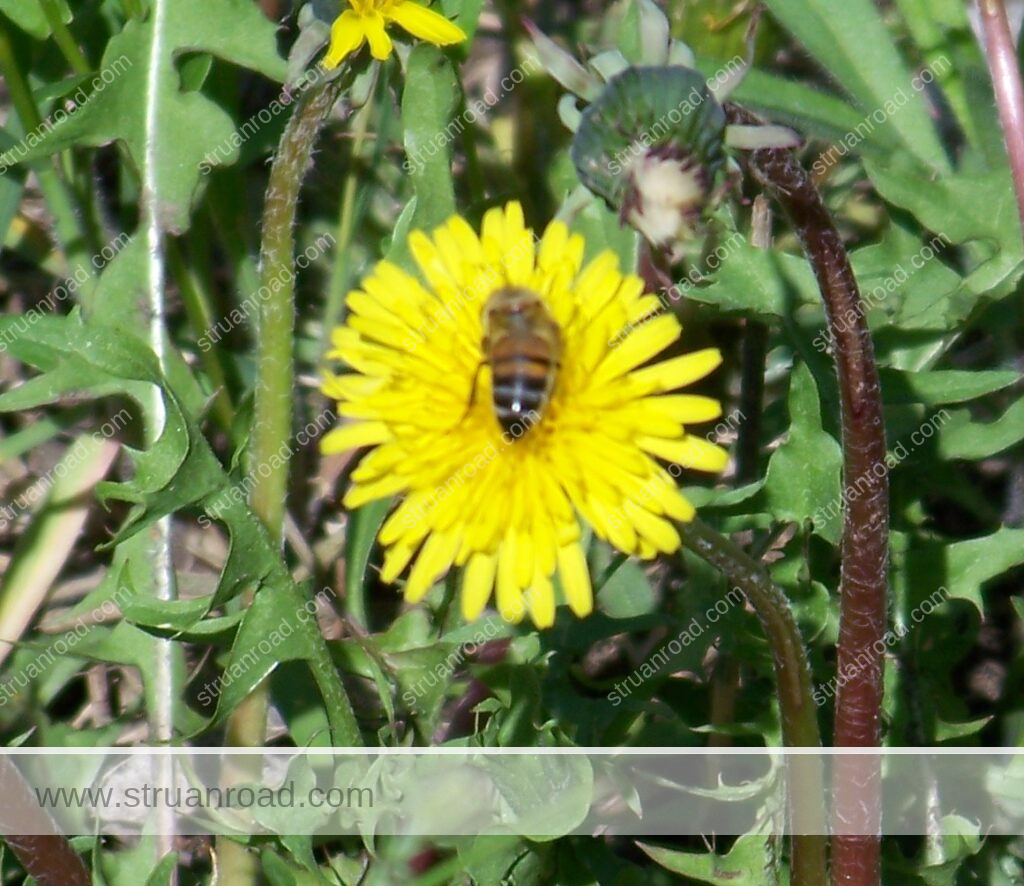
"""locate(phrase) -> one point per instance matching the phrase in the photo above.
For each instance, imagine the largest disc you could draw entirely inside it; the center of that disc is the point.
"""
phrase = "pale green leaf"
(851, 42)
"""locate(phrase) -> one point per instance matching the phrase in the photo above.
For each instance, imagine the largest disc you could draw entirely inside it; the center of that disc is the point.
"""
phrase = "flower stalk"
(272, 429)
(865, 539)
(272, 422)
(796, 703)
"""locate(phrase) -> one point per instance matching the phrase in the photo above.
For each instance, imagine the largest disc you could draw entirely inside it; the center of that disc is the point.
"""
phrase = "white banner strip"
(452, 791)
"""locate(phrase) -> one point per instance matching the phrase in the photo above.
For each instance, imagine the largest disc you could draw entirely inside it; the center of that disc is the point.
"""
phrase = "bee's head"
(514, 300)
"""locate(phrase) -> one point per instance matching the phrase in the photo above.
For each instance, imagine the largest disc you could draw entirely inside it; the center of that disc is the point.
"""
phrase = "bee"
(522, 344)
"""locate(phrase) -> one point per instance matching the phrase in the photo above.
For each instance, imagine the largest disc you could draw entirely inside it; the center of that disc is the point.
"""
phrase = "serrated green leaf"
(270, 633)
(422, 674)
(177, 472)
(173, 616)
(961, 567)
(191, 124)
(126, 644)
(762, 282)
(750, 862)
(962, 438)
(965, 208)
(905, 282)
(804, 472)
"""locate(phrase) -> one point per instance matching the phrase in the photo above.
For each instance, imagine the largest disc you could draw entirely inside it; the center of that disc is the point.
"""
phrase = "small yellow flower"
(507, 507)
(366, 20)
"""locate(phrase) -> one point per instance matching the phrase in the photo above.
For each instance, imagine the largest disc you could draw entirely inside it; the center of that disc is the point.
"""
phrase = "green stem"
(197, 308)
(272, 428)
(793, 685)
(272, 425)
(64, 39)
(272, 422)
(70, 232)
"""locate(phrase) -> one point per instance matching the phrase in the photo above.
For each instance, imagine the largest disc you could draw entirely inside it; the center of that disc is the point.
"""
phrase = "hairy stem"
(796, 703)
(272, 430)
(863, 591)
(272, 424)
(196, 302)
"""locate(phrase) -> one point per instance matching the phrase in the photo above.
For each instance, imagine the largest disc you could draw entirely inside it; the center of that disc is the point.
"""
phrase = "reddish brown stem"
(856, 789)
(1002, 64)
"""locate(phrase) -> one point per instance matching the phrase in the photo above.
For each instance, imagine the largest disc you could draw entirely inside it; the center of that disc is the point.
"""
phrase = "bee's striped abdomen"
(523, 377)
(522, 345)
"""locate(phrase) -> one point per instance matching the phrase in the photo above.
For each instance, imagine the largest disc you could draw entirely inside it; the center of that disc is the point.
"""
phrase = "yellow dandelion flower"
(367, 20)
(504, 499)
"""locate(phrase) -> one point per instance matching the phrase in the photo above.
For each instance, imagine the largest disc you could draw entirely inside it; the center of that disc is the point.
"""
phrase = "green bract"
(651, 139)
(652, 145)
